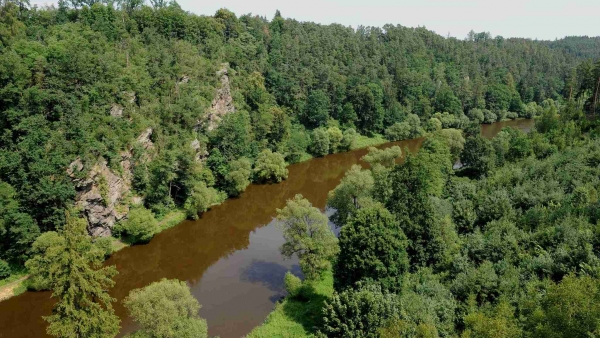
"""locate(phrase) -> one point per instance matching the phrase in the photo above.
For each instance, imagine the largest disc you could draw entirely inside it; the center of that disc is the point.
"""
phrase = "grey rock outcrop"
(116, 110)
(102, 192)
(222, 104)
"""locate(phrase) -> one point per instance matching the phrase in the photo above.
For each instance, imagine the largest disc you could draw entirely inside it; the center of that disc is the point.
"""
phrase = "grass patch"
(363, 141)
(171, 219)
(13, 277)
(298, 316)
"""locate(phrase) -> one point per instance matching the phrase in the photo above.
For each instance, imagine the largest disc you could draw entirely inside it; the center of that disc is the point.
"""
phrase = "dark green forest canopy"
(85, 78)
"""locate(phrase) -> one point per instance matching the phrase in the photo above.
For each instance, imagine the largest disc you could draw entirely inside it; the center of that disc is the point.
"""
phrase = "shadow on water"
(229, 257)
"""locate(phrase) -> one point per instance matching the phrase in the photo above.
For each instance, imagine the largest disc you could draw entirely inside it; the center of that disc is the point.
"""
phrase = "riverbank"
(15, 284)
(229, 257)
(297, 317)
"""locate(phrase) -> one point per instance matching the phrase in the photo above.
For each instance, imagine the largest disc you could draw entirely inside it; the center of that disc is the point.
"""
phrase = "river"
(229, 257)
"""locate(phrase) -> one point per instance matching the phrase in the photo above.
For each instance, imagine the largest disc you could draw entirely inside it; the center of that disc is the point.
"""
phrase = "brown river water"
(229, 257)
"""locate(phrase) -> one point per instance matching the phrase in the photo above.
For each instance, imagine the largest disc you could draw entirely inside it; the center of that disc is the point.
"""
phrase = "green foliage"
(139, 227)
(44, 251)
(17, 229)
(478, 155)
(105, 245)
(335, 139)
(433, 125)
(238, 177)
(320, 142)
(568, 308)
(372, 248)
(348, 140)
(4, 269)
(496, 322)
(307, 235)
(297, 144)
(201, 199)
(165, 309)
(385, 157)
(270, 167)
(293, 284)
(348, 196)
(317, 109)
(358, 313)
(454, 139)
(408, 129)
(80, 283)
(298, 316)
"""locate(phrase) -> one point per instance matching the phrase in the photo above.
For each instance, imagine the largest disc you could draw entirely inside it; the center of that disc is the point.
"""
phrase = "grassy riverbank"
(298, 316)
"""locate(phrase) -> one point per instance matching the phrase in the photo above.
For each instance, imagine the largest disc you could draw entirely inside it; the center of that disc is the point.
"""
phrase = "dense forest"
(182, 111)
(505, 246)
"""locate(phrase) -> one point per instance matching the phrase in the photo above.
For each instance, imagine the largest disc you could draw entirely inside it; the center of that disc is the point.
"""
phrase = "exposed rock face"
(222, 104)
(102, 192)
(116, 110)
(200, 149)
(99, 196)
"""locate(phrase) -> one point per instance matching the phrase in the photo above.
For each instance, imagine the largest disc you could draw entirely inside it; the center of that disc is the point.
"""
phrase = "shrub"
(489, 116)
(139, 227)
(335, 139)
(293, 284)
(270, 167)
(201, 199)
(238, 177)
(320, 142)
(433, 125)
(348, 140)
(476, 115)
(4, 269)
(397, 132)
(165, 309)
(358, 313)
(105, 244)
(43, 251)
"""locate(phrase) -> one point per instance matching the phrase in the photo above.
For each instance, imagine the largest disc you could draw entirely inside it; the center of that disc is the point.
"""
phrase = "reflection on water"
(229, 257)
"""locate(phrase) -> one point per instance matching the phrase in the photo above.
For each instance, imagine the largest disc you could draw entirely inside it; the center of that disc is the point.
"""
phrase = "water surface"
(229, 257)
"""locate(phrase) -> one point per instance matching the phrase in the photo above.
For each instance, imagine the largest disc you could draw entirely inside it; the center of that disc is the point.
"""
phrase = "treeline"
(85, 78)
(508, 245)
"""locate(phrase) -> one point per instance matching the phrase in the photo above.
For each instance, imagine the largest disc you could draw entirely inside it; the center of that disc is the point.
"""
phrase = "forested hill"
(93, 94)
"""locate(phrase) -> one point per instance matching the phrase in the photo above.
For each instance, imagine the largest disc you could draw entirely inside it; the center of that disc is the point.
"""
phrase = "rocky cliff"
(102, 193)
(222, 104)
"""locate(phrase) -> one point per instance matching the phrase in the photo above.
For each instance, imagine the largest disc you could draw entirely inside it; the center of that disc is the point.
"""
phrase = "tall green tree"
(80, 283)
(372, 248)
(307, 235)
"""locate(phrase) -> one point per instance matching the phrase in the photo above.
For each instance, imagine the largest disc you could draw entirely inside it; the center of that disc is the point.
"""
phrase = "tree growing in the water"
(307, 234)
(80, 283)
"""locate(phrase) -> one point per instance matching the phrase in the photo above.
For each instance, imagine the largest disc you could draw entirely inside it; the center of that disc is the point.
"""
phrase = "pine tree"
(80, 283)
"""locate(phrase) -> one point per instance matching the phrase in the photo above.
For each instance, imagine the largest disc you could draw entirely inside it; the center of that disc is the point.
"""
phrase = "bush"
(201, 199)
(358, 313)
(270, 167)
(238, 177)
(4, 269)
(397, 132)
(476, 115)
(165, 309)
(512, 115)
(139, 227)
(348, 140)
(105, 244)
(489, 116)
(335, 139)
(433, 125)
(43, 251)
(293, 284)
(320, 142)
